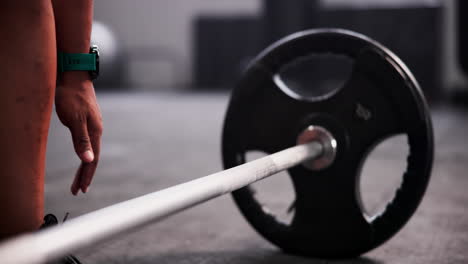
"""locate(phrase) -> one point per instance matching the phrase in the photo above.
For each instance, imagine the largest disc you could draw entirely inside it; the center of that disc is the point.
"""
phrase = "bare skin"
(27, 86)
(75, 99)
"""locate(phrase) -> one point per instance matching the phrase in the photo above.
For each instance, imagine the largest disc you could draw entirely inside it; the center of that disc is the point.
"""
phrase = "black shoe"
(51, 220)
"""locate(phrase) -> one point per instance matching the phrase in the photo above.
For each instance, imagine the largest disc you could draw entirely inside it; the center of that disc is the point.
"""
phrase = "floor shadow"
(227, 257)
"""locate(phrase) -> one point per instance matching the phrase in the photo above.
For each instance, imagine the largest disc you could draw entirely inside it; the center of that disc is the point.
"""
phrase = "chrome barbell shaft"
(96, 226)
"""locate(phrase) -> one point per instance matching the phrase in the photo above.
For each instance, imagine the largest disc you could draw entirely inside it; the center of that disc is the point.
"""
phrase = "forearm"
(73, 21)
(75, 100)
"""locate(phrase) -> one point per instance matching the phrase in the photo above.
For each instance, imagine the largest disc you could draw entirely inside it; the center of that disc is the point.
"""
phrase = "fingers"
(75, 187)
(86, 171)
(81, 141)
(87, 174)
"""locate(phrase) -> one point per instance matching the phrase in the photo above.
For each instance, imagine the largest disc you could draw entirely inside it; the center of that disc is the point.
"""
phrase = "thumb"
(82, 143)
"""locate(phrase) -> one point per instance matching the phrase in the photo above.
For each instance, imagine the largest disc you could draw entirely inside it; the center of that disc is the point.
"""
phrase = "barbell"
(322, 142)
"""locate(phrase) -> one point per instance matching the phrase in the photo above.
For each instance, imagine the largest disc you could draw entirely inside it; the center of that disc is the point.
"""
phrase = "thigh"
(27, 82)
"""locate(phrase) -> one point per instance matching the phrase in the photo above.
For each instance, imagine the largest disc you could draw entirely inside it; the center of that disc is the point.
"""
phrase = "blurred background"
(205, 44)
(167, 67)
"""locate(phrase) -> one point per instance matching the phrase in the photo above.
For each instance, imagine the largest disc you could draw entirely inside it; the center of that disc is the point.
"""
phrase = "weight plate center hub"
(329, 145)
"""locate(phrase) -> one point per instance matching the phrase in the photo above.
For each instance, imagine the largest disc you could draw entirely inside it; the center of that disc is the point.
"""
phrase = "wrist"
(73, 77)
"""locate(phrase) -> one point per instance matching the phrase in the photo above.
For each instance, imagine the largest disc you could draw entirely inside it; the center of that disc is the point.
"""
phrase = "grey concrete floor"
(153, 141)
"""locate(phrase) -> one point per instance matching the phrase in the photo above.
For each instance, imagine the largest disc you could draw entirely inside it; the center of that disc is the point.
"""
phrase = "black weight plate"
(381, 99)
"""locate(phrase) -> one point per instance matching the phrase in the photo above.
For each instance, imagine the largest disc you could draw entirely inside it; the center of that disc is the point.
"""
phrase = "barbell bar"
(94, 227)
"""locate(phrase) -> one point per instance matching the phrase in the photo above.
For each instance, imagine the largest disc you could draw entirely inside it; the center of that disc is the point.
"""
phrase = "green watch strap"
(76, 62)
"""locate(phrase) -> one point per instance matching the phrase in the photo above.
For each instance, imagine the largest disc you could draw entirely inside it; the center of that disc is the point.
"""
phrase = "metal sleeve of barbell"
(80, 232)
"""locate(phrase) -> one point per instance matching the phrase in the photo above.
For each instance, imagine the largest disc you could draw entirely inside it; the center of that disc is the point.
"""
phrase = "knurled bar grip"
(54, 242)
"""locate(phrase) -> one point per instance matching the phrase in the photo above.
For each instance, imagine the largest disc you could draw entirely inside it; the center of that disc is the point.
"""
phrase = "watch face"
(95, 50)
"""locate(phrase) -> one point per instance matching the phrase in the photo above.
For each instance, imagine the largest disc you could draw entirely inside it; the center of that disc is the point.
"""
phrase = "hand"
(77, 108)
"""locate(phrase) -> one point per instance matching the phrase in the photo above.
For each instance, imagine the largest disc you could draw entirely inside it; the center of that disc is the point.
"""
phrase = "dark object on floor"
(381, 99)
(460, 97)
(49, 221)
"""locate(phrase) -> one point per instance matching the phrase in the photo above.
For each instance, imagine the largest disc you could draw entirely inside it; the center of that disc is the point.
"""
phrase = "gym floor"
(153, 141)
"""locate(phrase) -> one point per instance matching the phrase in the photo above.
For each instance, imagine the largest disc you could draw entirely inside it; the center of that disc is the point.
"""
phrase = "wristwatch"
(80, 62)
